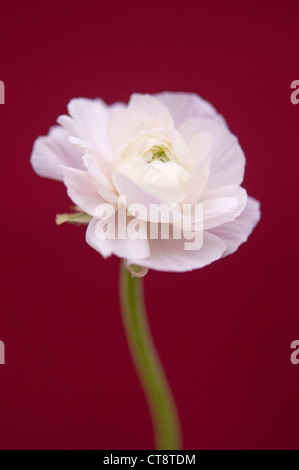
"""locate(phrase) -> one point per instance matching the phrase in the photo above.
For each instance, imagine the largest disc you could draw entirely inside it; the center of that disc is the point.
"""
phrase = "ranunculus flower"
(168, 148)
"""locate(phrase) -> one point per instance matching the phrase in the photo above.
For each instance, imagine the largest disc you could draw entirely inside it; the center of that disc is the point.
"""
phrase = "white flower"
(171, 148)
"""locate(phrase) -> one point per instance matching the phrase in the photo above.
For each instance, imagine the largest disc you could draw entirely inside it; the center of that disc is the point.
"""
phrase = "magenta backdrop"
(223, 332)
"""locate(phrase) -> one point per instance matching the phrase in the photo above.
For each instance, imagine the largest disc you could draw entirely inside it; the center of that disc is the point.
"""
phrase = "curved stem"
(159, 397)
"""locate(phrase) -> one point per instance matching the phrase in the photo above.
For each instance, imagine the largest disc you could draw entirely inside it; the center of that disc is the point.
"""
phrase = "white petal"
(226, 158)
(88, 121)
(200, 145)
(219, 211)
(81, 190)
(170, 255)
(237, 232)
(152, 106)
(184, 106)
(123, 248)
(147, 194)
(52, 151)
(156, 173)
(102, 184)
(125, 126)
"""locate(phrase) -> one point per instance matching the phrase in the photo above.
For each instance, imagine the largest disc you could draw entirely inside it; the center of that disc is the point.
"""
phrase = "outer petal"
(104, 187)
(170, 255)
(123, 248)
(153, 107)
(51, 152)
(218, 211)
(237, 232)
(88, 122)
(81, 190)
(225, 158)
(184, 106)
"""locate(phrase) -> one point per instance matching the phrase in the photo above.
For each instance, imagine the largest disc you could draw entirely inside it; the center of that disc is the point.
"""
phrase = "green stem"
(160, 400)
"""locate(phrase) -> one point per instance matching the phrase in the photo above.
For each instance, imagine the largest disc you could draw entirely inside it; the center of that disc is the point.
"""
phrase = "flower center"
(157, 153)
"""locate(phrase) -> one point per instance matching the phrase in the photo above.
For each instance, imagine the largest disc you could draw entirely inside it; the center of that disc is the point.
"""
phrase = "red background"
(223, 332)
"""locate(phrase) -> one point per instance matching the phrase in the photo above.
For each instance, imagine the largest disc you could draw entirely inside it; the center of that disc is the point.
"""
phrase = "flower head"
(170, 151)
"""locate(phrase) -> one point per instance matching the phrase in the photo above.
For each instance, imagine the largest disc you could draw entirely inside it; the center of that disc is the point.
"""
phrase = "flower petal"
(123, 248)
(152, 106)
(88, 122)
(147, 195)
(218, 211)
(81, 190)
(51, 152)
(237, 232)
(184, 106)
(102, 184)
(226, 158)
(125, 126)
(170, 255)
(200, 145)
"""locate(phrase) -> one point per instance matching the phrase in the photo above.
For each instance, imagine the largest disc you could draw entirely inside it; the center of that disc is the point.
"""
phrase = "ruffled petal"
(152, 106)
(146, 195)
(81, 190)
(121, 247)
(237, 232)
(52, 151)
(87, 121)
(218, 211)
(225, 158)
(104, 187)
(184, 106)
(200, 145)
(170, 255)
(125, 126)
